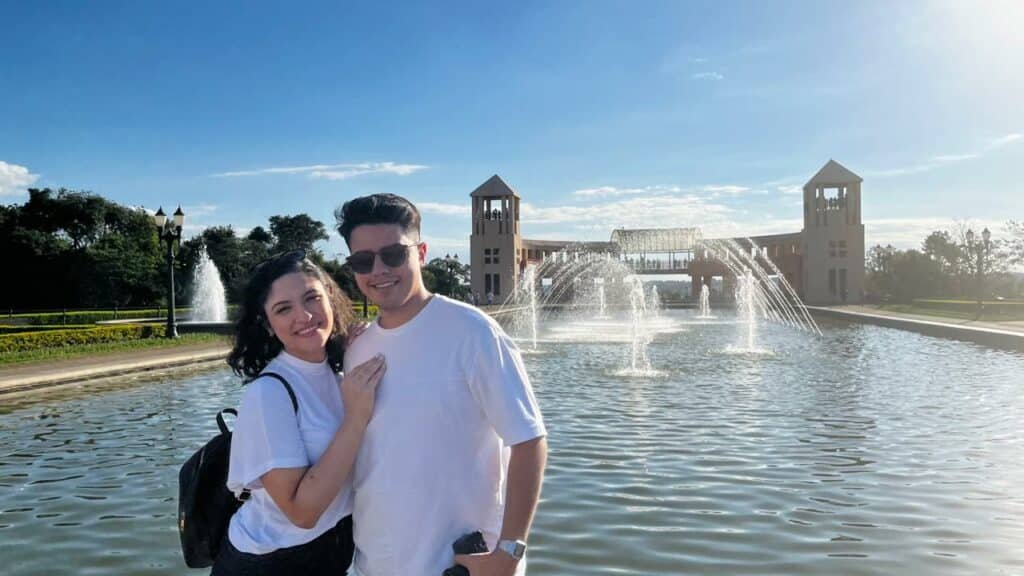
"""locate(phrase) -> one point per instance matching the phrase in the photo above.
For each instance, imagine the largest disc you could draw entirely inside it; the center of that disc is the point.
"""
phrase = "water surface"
(864, 451)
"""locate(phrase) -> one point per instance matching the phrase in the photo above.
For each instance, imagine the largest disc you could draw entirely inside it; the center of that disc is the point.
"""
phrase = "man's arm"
(525, 476)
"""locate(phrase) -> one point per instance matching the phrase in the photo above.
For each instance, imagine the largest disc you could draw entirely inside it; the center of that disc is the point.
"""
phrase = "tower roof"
(493, 187)
(833, 173)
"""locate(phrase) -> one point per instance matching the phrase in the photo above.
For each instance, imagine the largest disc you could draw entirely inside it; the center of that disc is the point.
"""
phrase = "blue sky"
(600, 114)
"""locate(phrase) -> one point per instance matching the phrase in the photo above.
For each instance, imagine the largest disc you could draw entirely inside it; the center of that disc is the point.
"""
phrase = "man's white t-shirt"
(433, 462)
(269, 434)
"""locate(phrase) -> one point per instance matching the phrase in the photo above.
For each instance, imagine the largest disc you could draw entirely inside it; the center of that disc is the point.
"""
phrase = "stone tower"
(833, 237)
(495, 242)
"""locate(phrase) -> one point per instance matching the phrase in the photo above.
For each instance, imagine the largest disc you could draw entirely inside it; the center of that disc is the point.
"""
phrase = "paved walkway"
(21, 377)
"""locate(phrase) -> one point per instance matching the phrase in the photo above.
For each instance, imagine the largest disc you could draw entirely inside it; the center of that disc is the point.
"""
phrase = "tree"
(344, 277)
(77, 249)
(259, 234)
(76, 216)
(950, 256)
(454, 282)
(257, 246)
(1014, 247)
(878, 282)
(914, 275)
(900, 276)
(294, 232)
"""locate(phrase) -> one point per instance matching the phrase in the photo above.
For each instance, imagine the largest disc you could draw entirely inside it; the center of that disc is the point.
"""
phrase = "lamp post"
(169, 231)
(980, 249)
(451, 264)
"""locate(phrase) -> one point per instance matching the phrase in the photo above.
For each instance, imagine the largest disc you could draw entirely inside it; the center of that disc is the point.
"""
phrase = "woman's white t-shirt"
(269, 434)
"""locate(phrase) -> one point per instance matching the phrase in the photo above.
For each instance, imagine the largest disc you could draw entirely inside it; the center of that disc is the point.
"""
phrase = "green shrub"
(89, 316)
(24, 342)
(93, 316)
(6, 329)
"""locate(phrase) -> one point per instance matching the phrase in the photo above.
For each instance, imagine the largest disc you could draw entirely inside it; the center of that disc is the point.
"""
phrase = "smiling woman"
(298, 430)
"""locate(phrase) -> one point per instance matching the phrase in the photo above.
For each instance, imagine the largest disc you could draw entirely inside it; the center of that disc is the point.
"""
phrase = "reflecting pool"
(863, 451)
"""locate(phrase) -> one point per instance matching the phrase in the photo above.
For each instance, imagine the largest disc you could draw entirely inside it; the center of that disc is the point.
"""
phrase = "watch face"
(520, 549)
(515, 548)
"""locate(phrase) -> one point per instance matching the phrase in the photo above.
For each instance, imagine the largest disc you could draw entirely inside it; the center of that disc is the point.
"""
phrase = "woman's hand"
(353, 332)
(359, 388)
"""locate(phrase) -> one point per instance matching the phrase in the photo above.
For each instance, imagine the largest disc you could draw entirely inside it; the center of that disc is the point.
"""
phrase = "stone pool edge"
(994, 337)
(160, 362)
(40, 376)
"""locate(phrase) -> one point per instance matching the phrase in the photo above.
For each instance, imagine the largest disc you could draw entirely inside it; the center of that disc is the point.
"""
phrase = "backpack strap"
(287, 386)
(246, 493)
(220, 419)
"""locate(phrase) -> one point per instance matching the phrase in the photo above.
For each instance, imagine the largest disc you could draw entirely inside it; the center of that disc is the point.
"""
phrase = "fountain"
(208, 302)
(655, 306)
(209, 310)
(589, 297)
(595, 297)
(639, 363)
(746, 290)
(705, 303)
(775, 298)
(527, 322)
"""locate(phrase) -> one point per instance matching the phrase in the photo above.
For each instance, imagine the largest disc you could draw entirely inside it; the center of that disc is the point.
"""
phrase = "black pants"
(330, 554)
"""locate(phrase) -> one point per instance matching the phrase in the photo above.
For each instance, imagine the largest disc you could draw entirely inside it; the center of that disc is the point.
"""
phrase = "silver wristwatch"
(514, 548)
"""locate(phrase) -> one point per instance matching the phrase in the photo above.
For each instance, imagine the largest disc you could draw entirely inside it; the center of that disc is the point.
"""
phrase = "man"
(457, 442)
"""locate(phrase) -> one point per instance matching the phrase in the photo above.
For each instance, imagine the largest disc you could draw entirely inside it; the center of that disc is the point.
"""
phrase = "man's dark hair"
(377, 209)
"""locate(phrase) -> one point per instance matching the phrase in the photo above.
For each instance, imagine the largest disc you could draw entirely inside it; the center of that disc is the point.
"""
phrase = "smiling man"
(457, 442)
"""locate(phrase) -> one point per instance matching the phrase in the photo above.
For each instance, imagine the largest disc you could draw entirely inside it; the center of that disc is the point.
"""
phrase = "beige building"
(833, 237)
(495, 245)
(824, 262)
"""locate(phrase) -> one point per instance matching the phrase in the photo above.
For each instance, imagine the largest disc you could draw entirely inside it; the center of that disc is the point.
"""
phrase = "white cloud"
(615, 191)
(714, 190)
(638, 212)
(791, 190)
(333, 171)
(907, 233)
(444, 209)
(954, 157)
(14, 179)
(1004, 140)
(914, 169)
(199, 210)
(707, 76)
(725, 189)
(947, 159)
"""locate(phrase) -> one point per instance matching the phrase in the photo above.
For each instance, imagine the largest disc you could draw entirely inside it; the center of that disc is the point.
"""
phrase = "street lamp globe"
(986, 235)
(970, 236)
(160, 218)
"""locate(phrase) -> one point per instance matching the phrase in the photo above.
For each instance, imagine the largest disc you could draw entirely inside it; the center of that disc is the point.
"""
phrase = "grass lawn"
(57, 353)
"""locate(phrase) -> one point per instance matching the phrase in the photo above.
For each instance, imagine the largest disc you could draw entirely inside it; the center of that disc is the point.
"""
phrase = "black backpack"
(205, 505)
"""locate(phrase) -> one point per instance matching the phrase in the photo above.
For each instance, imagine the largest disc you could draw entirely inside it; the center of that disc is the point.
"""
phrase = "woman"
(295, 462)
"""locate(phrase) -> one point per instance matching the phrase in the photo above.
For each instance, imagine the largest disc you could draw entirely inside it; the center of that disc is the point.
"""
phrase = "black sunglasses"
(289, 256)
(392, 256)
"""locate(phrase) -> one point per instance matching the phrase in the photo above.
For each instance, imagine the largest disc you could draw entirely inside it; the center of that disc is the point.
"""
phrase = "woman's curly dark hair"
(255, 346)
